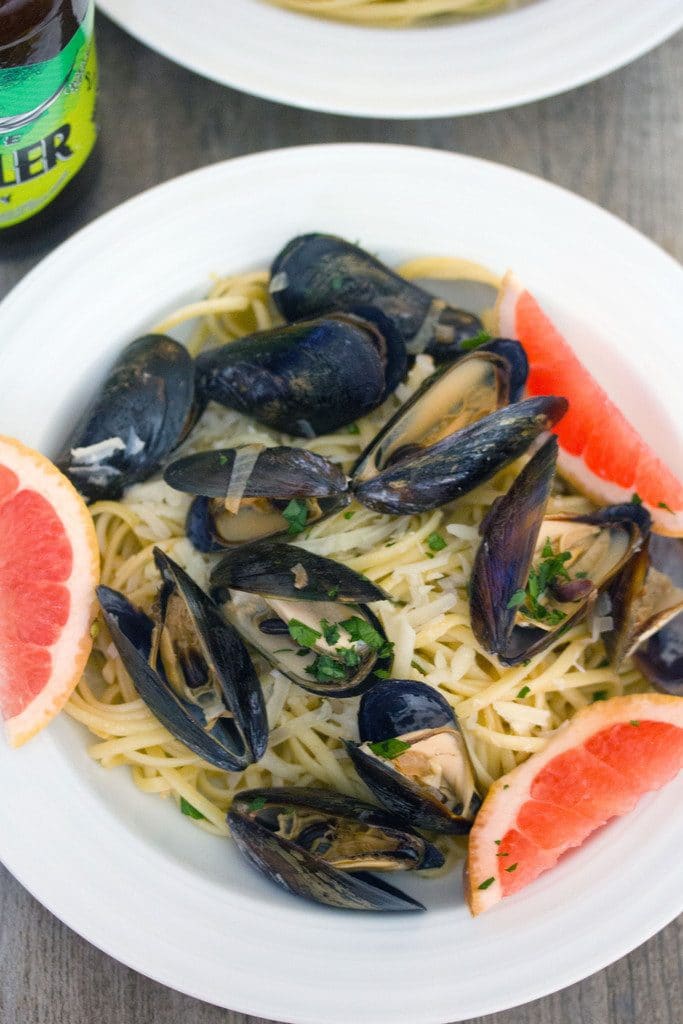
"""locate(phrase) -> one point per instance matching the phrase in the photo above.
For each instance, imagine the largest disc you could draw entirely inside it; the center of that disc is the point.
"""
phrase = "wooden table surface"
(619, 142)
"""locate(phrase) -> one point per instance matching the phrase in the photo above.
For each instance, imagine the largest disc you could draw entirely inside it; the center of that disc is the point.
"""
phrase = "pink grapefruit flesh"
(612, 465)
(49, 568)
(595, 767)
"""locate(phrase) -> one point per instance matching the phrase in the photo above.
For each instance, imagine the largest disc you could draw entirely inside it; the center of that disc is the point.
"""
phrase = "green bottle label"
(47, 126)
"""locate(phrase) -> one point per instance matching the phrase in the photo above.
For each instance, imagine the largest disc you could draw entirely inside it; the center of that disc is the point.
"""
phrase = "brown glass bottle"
(47, 99)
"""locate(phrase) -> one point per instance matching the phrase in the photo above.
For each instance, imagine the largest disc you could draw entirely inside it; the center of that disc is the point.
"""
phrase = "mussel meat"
(647, 610)
(305, 379)
(535, 575)
(142, 411)
(453, 398)
(426, 478)
(191, 669)
(306, 615)
(320, 845)
(414, 758)
(252, 492)
(317, 273)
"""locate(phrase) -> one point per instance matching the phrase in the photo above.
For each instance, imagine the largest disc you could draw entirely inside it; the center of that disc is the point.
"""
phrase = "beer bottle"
(48, 82)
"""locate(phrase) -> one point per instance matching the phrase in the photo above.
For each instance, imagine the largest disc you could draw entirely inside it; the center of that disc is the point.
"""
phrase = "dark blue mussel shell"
(393, 710)
(314, 843)
(142, 411)
(305, 379)
(317, 273)
(510, 533)
(214, 663)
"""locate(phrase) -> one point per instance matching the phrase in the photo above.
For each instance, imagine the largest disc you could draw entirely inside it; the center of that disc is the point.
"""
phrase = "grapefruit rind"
(72, 649)
(572, 466)
(505, 798)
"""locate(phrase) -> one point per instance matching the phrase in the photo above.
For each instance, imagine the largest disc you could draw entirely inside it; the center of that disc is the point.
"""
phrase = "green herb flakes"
(353, 428)
(663, 504)
(333, 593)
(435, 542)
(418, 668)
(634, 722)
(389, 749)
(257, 803)
(296, 514)
(524, 692)
(350, 514)
(189, 810)
(223, 460)
(469, 344)
(599, 695)
(636, 499)
(518, 598)
(302, 634)
(497, 841)
(362, 631)
(513, 867)
(487, 883)
(331, 632)
(325, 669)
(382, 673)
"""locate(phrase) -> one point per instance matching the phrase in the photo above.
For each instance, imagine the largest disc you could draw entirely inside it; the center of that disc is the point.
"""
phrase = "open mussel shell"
(414, 758)
(647, 610)
(305, 379)
(142, 411)
(191, 669)
(244, 491)
(317, 273)
(425, 479)
(518, 608)
(273, 569)
(326, 647)
(320, 845)
(450, 400)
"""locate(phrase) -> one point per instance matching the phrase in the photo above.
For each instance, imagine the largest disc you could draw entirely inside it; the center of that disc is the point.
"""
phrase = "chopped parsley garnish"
(663, 504)
(302, 634)
(524, 692)
(333, 593)
(599, 695)
(497, 841)
(95, 630)
(505, 854)
(360, 630)
(506, 786)
(325, 669)
(189, 810)
(418, 668)
(581, 576)
(382, 673)
(350, 514)
(513, 867)
(353, 428)
(296, 514)
(634, 722)
(330, 632)
(436, 542)
(257, 803)
(480, 338)
(389, 749)
(390, 544)
(550, 568)
(223, 459)
(636, 499)
(487, 883)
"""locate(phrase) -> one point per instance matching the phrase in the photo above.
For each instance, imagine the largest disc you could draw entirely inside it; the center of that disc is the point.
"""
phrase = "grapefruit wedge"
(595, 767)
(609, 466)
(49, 568)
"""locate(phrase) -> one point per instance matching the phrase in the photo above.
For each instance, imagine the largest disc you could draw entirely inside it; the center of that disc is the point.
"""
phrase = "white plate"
(432, 71)
(126, 870)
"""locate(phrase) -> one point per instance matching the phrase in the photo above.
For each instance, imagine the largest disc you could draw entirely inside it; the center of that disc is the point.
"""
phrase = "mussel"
(305, 379)
(453, 398)
(307, 615)
(191, 669)
(317, 273)
(426, 478)
(413, 756)
(252, 492)
(536, 575)
(142, 411)
(647, 611)
(320, 845)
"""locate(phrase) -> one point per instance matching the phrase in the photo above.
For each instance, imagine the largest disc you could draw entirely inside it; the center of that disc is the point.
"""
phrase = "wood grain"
(619, 142)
